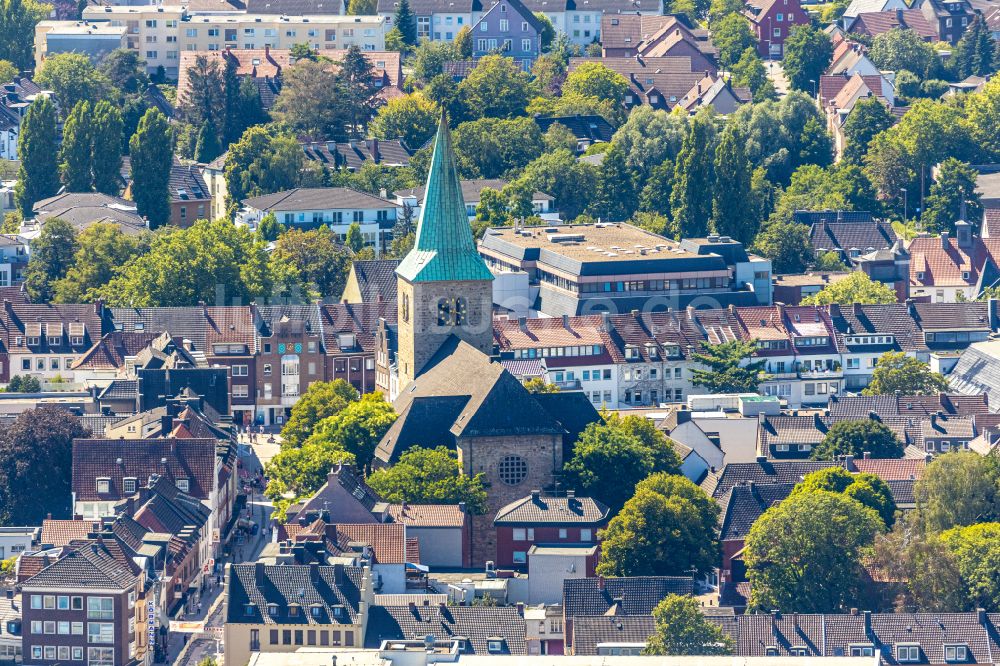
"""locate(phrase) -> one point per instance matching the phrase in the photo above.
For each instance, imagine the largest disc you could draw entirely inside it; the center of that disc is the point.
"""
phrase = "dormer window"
(128, 485)
(249, 609)
(103, 486)
(920, 275)
(272, 610)
(495, 645)
(293, 611)
(965, 275)
(908, 653)
(53, 341)
(338, 611)
(956, 654)
(862, 650)
(183, 485)
(316, 611)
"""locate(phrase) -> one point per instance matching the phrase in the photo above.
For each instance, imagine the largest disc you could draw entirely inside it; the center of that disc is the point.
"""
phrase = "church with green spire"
(444, 287)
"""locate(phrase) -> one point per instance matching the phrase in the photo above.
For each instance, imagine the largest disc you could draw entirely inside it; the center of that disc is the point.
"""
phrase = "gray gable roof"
(318, 198)
(477, 624)
(328, 587)
(638, 594)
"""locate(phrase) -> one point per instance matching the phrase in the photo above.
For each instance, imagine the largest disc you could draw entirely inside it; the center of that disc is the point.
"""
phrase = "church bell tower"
(444, 287)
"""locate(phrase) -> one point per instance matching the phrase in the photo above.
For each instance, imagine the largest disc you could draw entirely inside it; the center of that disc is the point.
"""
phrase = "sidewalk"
(189, 649)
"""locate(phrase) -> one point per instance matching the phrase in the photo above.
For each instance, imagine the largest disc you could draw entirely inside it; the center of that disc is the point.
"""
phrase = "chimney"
(570, 494)
(866, 455)
(868, 622)
(520, 608)
(690, 312)
(600, 583)
(461, 507)
(944, 239)
(761, 460)
(963, 231)
(565, 319)
(522, 323)
(849, 463)
(536, 495)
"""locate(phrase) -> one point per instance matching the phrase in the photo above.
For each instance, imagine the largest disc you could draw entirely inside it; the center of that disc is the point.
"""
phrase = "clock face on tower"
(452, 311)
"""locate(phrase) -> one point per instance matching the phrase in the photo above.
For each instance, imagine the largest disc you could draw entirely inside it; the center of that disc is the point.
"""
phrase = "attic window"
(965, 275)
(317, 611)
(249, 609)
(956, 653)
(139, 326)
(338, 611)
(103, 485)
(495, 645)
(272, 610)
(183, 485)
(920, 275)
(128, 485)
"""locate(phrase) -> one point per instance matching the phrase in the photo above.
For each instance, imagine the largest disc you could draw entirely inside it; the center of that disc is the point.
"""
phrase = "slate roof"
(120, 389)
(182, 322)
(638, 594)
(591, 631)
(745, 503)
(95, 565)
(317, 198)
(901, 469)
(969, 315)
(860, 406)
(978, 372)
(353, 155)
(110, 352)
(192, 459)
(82, 209)
(361, 319)
(477, 624)
(48, 322)
(533, 510)
(376, 278)
(717, 484)
(589, 129)
(186, 183)
(427, 7)
(893, 319)
(327, 587)
(848, 236)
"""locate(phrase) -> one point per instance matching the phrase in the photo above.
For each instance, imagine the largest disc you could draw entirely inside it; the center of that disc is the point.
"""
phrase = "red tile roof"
(901, 469)
(944, 266)
(387, 540)
(427, 515)
(62, 532)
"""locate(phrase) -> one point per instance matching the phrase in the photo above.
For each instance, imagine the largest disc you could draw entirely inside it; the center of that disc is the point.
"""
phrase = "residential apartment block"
(158, 33)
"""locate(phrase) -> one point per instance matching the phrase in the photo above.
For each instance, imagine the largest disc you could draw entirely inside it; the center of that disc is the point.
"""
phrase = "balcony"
(824, 373)
(781, 375)
(568, 384)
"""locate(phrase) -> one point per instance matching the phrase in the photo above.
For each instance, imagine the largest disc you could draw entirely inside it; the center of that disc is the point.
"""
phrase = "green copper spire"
(444, 250)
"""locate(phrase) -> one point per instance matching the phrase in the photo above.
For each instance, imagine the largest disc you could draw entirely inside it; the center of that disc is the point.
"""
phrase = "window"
(512, 470)
(241, 391)
(128, 485)
(267, 369)
(77, 604)
(504, 25)
(239, 371)
(585, 534)
(908, 653)
(62, 628)
(495, 645)
(862, 650)
(62, 603)
(316, 611)
(955, 653)
(520, 557)
(562, 533)
(273, 637)
(100, 632)
(519, 534)
(77, 654)
(36, 626)
(799, 651)
(183, 485)
(50, 602)
(100, 608)
(101, 656)
(50, 651)
(780, 18)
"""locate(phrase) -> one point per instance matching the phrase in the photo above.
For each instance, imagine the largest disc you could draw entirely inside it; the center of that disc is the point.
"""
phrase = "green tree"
(855, 288)
(463, 42)
(868, 489)
(855, 438)
(429, 58)
(615, 196)
(358, 91)
(431, 476)
(320, 400)
(840, 187)
(207, 147)
(412, 118)
(73, 78)
(974, 52)
(490, 147)
(497, 88)
(869, 117)
(732, 212)
(151, 158)
(898, 374)
(732, 37)
(726, 372)
(667, 528)
(952, 197)
(406, 22)
(559, 174)
(185, 266)
(300, 471)
(559, 137)
(782, 133)
(982, 113)
(681, 628)
(38, 153)
(976, 552)
(313, 102)
(51, 257)
(786, 244)
(693, 178)
(76, 150)
(610, 458)
(808, 51)
(125, 70)
(361, 7)
(315, 258)
(829, 262)
(17, 30)
(958, 489)
(749, 71)
(108, 137)
(102, 250)
(538, 385)
(804, 554)
(547, 32)
(903, 48)
(207, 93)
(270, 229)
(354, 240)
(358, 427)
(593, 79)
(36, 459)
(655, 195)
(262, 162)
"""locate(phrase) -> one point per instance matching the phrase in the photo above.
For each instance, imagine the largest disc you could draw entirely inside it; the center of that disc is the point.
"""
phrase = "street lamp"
(813, 81)
(903, 189)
